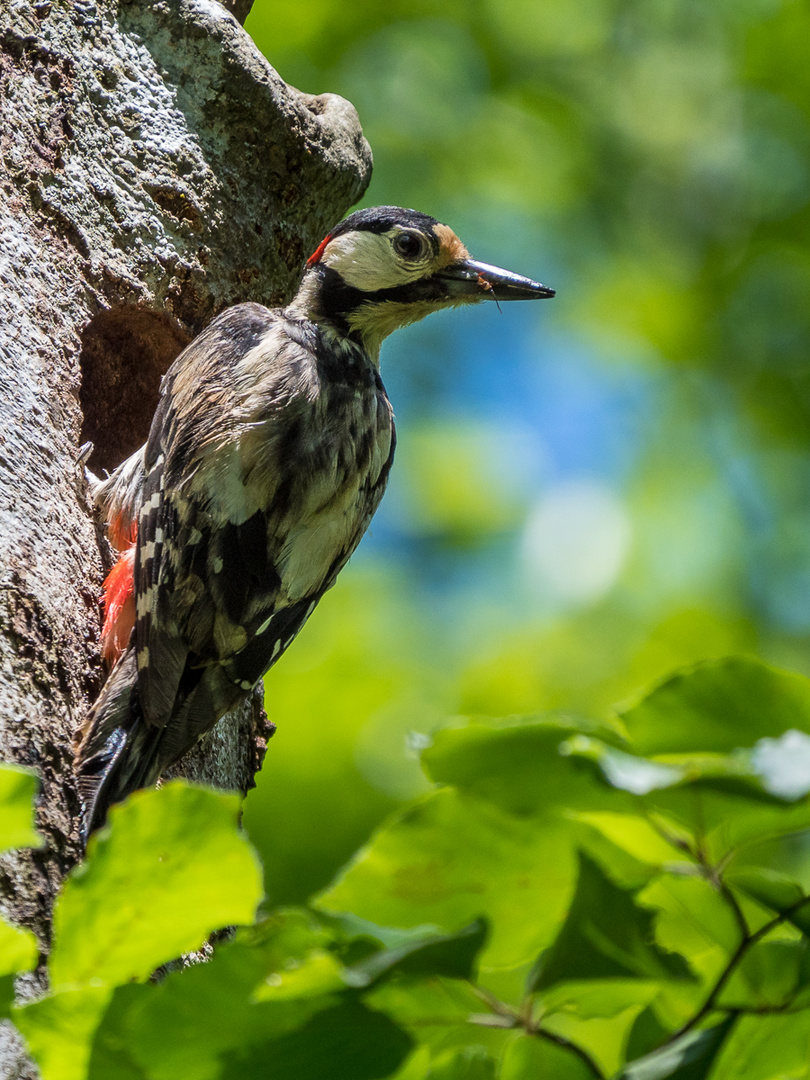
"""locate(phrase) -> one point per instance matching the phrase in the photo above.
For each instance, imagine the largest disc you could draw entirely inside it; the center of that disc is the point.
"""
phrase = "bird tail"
(117, 750)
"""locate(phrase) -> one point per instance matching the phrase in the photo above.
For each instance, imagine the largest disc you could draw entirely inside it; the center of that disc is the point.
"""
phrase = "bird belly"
(330, 534)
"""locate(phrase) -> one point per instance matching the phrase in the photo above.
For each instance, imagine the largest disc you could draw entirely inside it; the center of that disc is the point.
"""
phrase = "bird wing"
(221, 592)
(247, 518)
(161, 651)
(174, 630)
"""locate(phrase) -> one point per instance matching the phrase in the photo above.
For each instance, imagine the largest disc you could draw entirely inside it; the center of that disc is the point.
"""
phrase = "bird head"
(385, 267)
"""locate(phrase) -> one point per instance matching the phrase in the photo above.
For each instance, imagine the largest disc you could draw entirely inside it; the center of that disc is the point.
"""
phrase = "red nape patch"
(121, 532)
(119, 606)
(315, 257)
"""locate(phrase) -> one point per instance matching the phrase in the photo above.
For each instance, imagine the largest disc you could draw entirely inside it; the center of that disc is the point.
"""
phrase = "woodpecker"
(267, 457)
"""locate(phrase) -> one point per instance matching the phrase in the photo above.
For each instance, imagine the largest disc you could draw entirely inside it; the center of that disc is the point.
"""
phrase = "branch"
(560, 1040)
(710, 1005)
(733, 903)
(507, 1017)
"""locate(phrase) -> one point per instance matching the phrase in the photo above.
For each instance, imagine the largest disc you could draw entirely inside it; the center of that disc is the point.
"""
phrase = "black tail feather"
(129, 760)
(120, 751)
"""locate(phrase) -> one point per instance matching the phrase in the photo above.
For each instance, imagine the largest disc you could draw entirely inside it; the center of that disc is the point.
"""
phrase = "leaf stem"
(733, 903)
(512, 1018)
(746, 943)
(763, 1010)
(561, 1041)
(678, 842)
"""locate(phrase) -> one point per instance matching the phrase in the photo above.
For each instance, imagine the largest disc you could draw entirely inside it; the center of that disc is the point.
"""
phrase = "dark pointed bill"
(471, 278)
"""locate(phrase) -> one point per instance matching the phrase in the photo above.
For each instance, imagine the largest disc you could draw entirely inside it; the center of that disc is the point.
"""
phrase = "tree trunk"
(154, 170)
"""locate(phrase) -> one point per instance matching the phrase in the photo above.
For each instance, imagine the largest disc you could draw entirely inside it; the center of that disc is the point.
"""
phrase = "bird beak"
(484, 282)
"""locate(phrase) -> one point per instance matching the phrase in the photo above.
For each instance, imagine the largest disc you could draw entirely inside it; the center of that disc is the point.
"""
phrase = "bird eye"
(409, 245)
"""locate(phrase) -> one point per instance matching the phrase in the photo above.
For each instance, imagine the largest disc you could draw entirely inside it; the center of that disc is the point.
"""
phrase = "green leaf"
(606, 936)
(113, 1058)
(768, 775)
(450, 955)
(470, 1063)
(351, 927)
(18, 952)
(766, 977)
(637, 775)
(319, 974)
(451, 858)
(801, 1000)
(597, 998)
(769, 887)
(688, 1058)
(775, 891)
(603, 1038)
(766, 1048)
(533, 1058)
(6, 995)
(18, 788)
(724, 799)
(287, 934)
(416, 1066)
(171, 868)
(18, 949)
(348, 1040)
(693, 919)
(298, 956)
(196, 1017)
(515, 764)
(59, 1030)
(646, 1034)
(718, 706)
(630, 845)
(416, 1005)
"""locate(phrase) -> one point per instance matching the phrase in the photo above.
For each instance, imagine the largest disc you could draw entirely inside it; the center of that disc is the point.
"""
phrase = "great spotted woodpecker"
(268, 455)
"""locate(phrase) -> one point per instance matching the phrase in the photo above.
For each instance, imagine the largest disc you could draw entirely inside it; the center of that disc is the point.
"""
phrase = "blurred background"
(591, 490)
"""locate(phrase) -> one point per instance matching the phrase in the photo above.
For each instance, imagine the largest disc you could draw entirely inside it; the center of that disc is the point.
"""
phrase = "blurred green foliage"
(567, 899)
(590, 491)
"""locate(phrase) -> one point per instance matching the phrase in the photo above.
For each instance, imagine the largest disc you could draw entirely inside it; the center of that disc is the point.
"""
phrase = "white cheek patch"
(366, 261)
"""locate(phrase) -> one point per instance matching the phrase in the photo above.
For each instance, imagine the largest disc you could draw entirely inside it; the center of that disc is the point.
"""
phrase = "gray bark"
(153, 170)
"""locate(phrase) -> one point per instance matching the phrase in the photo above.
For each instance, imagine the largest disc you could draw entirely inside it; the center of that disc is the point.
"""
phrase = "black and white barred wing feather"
(260, 478)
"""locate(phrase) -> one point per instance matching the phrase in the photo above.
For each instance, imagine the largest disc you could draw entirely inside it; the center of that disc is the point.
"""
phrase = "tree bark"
(154, 169)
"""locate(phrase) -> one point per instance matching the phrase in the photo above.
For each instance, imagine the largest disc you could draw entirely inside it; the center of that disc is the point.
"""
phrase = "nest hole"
(125, 352)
